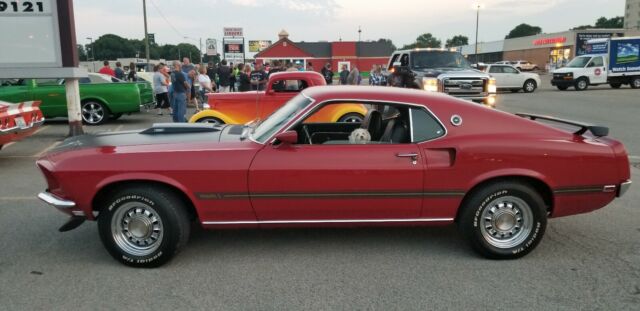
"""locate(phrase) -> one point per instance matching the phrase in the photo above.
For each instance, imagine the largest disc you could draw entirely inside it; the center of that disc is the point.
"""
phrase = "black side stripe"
(346, 195)
(575, 190)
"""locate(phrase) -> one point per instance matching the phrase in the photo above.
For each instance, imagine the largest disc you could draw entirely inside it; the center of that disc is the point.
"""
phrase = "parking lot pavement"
(585, 262)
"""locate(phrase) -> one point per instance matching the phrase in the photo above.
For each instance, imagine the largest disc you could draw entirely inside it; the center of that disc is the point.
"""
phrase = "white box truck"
(614, 61)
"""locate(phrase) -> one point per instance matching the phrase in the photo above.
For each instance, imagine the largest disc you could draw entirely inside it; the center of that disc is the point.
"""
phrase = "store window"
(559, 57)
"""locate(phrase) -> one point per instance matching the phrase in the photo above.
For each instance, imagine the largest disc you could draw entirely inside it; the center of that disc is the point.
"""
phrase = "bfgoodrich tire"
(143, 226)
(504, 220)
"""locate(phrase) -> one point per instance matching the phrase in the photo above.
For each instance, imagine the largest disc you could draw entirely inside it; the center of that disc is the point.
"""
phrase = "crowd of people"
(184, 83)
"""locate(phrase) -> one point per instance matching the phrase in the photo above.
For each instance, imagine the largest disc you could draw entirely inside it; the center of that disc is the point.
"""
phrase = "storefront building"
(361, 54)
(547, 51)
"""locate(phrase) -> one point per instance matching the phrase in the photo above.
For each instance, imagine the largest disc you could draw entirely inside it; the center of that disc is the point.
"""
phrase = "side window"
(507, 69)
(404, 60)
(424, 126)
(495, 69)
(597, 62)
(289, 86)
(84, 80)
(394, 59)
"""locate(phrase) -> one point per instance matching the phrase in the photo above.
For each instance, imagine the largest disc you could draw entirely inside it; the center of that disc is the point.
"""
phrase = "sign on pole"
(212, 48)
(233, 32)
(152, 38)
(256, 46)
(234, 50)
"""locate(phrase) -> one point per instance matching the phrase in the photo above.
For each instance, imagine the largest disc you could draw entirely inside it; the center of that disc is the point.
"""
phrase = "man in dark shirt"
(344, 74)
(224, 75)
(277, 67)
(258, 78)
(119, 72)
(180, 89)
(211, 72)
(327, 73)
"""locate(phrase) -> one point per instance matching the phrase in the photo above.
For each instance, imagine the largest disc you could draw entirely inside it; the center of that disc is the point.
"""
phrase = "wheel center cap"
(505, 222)
(139, 228)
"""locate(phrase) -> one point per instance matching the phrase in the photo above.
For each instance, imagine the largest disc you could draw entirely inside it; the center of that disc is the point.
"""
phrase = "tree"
(388, 42)
(426, 40)
(110, 46)
(603, 22)
(458, 40)
(524, 30)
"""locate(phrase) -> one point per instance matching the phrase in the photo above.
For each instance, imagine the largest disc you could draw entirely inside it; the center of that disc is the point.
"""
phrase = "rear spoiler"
(596, 130)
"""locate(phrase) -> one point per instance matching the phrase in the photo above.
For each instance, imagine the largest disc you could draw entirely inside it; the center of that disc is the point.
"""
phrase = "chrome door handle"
(407, 155)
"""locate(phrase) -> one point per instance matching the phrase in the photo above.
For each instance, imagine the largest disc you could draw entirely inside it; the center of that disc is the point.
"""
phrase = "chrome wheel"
(636, 83)
(93, 113)
(137, 229)
(506, 222)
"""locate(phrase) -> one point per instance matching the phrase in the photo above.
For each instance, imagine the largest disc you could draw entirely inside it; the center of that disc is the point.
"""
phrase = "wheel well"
(110, 188)
(539, 186)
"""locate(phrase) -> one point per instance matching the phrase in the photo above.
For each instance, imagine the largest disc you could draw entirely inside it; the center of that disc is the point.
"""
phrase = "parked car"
(441, 70)
(504, 62)
(100, 101)
(18, 120)
(416, 159)
(243, 107)
(146, 87)
(509, 78)
(524, 65)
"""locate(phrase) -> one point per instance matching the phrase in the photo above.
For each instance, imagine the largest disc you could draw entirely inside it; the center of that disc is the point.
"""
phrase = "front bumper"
(63, 205)
(623, 188)
(563, 82)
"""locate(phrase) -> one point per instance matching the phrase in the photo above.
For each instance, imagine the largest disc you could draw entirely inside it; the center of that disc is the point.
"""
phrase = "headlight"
(206, 106)
(430, 84)
(491, 86)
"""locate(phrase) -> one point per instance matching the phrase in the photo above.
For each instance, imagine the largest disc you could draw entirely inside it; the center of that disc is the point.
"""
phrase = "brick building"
(363, 55)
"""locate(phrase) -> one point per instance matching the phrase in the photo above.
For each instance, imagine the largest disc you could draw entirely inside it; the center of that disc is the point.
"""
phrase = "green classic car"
(102, 97)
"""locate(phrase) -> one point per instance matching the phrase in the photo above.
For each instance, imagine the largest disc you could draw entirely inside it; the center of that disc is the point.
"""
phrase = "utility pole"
(93, 55)
(359, 34)
(146, 33)
(477, 24)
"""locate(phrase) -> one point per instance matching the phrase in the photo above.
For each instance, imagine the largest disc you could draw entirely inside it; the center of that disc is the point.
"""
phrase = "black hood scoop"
(181, 128)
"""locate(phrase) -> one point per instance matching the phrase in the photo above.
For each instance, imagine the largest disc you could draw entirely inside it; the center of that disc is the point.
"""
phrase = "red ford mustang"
(416, 159)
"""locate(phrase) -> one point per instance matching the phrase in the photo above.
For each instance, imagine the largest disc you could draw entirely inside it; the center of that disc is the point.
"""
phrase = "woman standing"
(132, 76)
(206, 86)
(160, 87)
(245, 79)
(376, 77)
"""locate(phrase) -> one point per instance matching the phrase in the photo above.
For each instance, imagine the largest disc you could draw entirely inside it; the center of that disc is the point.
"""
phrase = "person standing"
(181, 87)
(280, 85)
(106, 69)
(224, 77)
(290, 67)
(354, 76)
(187, 66)
(258, 78)
(206, 86)
(119, 72)
(161, 87)
(232, 78)
(211, 72)
(376, 77)
(245, 79)
(327, 73)
(344, 74)
(132, 76)
(310, 67)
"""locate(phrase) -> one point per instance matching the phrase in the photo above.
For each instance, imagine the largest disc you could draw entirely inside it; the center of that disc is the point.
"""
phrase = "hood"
(160, 133)
(451, 72)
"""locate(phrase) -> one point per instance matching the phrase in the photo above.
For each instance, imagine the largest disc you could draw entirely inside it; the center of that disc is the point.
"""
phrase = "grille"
(464, 86)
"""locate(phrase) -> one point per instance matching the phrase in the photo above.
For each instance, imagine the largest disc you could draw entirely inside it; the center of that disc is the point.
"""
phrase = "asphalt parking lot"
(585, 262)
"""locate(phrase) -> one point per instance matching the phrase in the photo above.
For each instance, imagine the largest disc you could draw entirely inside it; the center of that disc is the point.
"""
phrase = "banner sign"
(625, 55)
(256, 46)
(233, 31)
(212, 47)
(583, 47)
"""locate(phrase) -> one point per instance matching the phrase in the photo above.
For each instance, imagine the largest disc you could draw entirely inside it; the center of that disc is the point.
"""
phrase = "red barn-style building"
(363, 55)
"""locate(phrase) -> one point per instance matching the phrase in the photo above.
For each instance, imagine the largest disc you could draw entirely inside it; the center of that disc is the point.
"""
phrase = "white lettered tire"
(143, 226)
(504, 220)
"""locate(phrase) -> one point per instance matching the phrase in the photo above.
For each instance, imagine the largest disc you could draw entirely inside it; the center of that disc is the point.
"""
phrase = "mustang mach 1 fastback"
(416, 159)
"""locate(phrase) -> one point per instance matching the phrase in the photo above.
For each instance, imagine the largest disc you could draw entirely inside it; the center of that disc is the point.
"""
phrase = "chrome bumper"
(624, 187)
(17, 129)
(55, 201)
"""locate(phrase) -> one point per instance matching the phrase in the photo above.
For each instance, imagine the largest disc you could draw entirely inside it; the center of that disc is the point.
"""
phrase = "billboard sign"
(233, 31)
(233, 50)
(625, 55)
(212, 47)
(583, 47)
(256, 46)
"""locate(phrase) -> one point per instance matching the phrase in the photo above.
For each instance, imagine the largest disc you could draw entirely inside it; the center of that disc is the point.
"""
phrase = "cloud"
(249, 3)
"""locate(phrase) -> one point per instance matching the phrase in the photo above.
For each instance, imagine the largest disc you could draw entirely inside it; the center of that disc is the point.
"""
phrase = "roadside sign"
(212, 48)
(233, 31)
(152, 38)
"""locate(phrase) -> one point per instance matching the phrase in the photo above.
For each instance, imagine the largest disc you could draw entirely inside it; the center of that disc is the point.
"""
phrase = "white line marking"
(40, 130)
(39, 154)
(8, 144)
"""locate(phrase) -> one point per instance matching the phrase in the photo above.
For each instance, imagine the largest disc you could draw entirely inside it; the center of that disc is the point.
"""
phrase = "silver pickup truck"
(441, 70)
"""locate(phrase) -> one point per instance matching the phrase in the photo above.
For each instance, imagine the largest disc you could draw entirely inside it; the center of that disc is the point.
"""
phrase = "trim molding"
(328, 221)
(584, 189)
(320, 195)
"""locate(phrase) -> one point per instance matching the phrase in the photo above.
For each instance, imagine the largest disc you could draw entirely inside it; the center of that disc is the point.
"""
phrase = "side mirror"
(288, 137)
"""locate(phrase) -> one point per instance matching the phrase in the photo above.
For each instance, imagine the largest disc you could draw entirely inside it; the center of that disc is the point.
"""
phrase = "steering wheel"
(306, 133)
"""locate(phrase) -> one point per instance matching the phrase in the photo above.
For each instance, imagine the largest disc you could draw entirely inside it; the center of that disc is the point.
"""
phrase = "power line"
(165, 19)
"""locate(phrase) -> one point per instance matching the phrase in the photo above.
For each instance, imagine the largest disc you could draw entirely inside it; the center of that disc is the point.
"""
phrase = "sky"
(331, 20)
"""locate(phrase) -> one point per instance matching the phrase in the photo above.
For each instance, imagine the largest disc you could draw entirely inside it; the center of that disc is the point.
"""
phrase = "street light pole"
(93, 55)
(477, 24)
(146, 33)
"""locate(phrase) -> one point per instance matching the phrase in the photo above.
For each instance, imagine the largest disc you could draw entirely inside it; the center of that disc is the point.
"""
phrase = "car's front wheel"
(94, 112)
(504, 220)
(530, 86)
(143, 226)
(582, 84)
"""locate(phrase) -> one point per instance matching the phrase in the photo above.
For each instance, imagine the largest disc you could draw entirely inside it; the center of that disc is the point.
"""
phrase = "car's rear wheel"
(212, 120)
(562, 87)
(504, 220)
(529, 86)
(143, 226)
(582, 84)
(635, 83)
(352, 117)
(94, 112)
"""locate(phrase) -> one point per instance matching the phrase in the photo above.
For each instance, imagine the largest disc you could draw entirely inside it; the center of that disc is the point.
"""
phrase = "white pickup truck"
(617, 65)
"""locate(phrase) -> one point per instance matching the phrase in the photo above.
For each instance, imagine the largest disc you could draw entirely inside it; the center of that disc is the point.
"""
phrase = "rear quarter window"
(425, 126)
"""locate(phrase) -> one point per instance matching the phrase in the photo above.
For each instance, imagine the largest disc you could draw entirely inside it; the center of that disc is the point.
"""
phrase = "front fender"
(213, 114)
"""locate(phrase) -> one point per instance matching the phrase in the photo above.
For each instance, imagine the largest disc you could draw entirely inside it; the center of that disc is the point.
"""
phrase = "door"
(597, 70)
(512, 76)
(337, 182)
(53, 97)
(502, 80)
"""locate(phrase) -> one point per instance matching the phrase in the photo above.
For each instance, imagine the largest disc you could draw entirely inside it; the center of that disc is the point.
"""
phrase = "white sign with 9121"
(25, 7)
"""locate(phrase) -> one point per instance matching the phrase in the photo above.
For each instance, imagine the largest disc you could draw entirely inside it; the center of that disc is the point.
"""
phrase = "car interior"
(383, 124)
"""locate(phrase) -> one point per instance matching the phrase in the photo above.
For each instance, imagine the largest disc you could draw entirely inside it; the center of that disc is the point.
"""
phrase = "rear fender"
(215, 114)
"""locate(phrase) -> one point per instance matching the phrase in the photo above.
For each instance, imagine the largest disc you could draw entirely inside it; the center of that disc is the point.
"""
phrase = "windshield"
(579, 62)
(280, 117)
(438, 59)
